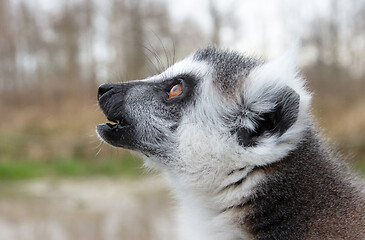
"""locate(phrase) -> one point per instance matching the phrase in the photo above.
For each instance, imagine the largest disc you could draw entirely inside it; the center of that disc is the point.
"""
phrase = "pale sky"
(256, 19)
(263, 27)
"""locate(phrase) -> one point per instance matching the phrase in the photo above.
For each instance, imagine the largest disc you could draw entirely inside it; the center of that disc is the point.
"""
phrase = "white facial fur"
(203, 158)
(205, 145)
(208, 153)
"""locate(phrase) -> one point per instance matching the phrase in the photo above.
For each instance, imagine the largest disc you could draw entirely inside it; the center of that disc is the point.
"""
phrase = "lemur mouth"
(118, 132)
(117, 123)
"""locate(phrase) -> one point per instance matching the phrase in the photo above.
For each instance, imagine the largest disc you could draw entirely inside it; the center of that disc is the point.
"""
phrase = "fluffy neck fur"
(306, 195)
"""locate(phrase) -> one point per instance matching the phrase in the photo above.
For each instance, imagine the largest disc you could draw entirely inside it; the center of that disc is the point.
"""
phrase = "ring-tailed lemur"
(235, 138)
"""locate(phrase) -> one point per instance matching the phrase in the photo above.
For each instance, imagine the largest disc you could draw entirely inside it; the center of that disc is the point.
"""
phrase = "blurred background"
(57, 181)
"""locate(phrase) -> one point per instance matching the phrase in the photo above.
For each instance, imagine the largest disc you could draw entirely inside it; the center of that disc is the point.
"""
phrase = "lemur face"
(147, 113)
(212, 105)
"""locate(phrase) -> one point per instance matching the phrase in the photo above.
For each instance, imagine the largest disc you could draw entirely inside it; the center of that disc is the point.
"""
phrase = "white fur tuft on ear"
(282, 69)
(260, 93)
(265, 80)
(290, 57)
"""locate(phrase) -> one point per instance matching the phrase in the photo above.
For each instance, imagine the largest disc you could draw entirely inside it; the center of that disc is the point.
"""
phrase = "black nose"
(104, 88)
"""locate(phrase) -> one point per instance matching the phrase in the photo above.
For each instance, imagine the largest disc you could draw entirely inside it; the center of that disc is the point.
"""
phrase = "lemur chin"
(235, 138)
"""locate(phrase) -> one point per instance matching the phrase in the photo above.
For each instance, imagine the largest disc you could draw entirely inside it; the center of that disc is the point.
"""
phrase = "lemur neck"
(282, 200)
(260, 197)
(298, 193)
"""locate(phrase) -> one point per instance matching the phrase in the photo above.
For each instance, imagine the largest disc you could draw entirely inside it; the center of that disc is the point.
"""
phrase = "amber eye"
(175, 91)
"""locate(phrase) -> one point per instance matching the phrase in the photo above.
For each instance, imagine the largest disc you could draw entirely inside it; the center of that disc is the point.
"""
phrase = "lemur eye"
(175, 91)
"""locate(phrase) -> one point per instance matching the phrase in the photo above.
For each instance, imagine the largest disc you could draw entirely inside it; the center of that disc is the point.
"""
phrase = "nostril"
(104, 88)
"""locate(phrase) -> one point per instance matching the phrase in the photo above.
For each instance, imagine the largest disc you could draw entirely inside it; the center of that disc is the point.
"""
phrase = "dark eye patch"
(188, 83)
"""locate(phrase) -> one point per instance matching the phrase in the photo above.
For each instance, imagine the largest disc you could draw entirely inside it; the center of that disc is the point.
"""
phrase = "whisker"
(164, 50)
(97, 153)
(158, 69)
(156, 56)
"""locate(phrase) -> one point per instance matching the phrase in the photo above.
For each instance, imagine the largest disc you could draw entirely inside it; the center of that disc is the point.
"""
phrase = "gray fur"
(229, 67)
(308, 195)
(239, 147)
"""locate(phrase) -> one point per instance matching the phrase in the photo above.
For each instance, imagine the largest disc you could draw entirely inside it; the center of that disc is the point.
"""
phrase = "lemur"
(235, 138)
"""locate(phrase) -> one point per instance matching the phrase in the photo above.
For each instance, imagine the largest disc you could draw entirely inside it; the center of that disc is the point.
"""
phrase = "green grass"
(19, 161)
(27, 156)
(125, 165)
(20, 169)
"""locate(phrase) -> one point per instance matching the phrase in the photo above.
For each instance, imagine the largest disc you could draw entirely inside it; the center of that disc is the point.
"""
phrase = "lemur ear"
(276, 121)
(270, 105)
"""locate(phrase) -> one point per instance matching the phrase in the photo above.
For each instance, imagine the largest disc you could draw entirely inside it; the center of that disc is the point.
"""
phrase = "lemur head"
(212, 113)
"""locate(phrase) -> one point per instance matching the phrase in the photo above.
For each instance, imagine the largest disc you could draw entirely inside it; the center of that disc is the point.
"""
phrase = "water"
(89, 209)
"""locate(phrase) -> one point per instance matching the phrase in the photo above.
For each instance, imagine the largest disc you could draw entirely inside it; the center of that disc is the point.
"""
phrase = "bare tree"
(334, 39)
(128, 35)
(216, 16)
(221, 18)
(8, 68)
